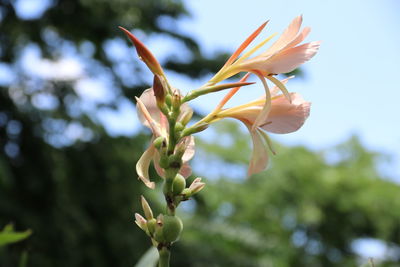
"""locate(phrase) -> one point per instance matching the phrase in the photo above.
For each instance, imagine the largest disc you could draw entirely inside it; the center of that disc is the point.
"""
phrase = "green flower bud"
(163, 161)
(186, 192)
(159, 89)
(146, 208)
(178, 128)
(176, 101)
(141, 222)
(172, 228)
(192, 130)
(186, 116)
(158, 232)
(158, 142)
(151, 225)
(168, 100)
(159, 235)
(178, 184)
(175, 161)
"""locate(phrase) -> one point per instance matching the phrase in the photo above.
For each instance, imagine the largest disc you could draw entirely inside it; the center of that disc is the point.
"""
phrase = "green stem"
(164, 253)
(172, 139)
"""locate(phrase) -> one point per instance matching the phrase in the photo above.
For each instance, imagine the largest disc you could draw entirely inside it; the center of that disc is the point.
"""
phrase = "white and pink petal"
(142, 166)
(285, 117)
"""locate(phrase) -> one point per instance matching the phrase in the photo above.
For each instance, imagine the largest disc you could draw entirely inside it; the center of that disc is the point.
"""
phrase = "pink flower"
(153, 118)
(285, 54)
(284, 117)
(282, 57)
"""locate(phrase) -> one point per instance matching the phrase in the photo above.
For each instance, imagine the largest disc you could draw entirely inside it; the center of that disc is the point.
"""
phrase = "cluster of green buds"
(163, 230)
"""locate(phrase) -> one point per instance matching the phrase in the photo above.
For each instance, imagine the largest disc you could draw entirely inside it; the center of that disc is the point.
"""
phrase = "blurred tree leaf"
(8, 235)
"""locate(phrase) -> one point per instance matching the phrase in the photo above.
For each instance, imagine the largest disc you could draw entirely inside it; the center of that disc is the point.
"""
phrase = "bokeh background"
(69, 136)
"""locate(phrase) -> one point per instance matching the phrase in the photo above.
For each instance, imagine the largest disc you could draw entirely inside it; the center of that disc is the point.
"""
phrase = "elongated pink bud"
(144, 53)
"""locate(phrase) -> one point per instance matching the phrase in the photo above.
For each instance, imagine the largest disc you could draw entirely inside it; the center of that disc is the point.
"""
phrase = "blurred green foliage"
(78, 194)
(8, 235)
(303, 211)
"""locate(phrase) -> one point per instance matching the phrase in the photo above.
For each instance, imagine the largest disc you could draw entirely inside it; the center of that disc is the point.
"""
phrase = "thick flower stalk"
(166, 112)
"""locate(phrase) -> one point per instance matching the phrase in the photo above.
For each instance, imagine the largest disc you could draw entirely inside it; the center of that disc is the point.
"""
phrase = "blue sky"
(351, 81)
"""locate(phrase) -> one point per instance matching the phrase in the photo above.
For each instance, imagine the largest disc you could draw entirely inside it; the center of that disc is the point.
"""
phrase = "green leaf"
(8, 235)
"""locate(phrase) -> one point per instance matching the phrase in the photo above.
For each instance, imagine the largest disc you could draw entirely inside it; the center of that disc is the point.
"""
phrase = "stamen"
(231, 93)
(254, 49)
(267, 106)
(280, 86)
(245, 44)
(268, 141)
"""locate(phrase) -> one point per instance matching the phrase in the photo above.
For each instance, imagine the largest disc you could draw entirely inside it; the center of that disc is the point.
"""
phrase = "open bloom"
(153, 118)
(283, 56)
(284, 117)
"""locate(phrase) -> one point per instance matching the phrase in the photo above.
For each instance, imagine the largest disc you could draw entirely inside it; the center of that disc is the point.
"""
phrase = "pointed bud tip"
(146, 208)
(264, 24)
(144, 53)
(246, 83)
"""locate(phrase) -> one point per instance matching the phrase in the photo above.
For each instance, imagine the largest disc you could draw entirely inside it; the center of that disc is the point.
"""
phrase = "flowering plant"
(165, 111)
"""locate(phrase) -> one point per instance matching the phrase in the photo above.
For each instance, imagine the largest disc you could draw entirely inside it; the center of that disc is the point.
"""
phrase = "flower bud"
(172, 228)
(176, 100)
(159, 142)
(141, 222)
(191, 130)
(160, 91)
(186, 193)
(144, 53)
(179, 127)
(186, 116)
(196, 186)
(168, 100)
(148, 213)
(175, 161)
(151, 225)
(158, 232)
(182, 146)
(163, 161)
(178, 184)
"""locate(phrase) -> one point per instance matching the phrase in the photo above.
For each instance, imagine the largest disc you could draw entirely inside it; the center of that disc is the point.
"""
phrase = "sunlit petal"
(190, 149)
(291, 58)
(259, 157)
(142, 166)
(285, 117)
